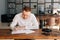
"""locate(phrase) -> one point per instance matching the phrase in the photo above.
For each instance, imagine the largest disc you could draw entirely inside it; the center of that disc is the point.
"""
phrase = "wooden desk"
(6, 34)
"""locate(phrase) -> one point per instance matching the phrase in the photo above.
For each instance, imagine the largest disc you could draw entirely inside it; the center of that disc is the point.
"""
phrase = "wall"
(2, 7)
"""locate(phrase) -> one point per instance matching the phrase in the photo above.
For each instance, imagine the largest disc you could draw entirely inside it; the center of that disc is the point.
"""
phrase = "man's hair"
(26, 9)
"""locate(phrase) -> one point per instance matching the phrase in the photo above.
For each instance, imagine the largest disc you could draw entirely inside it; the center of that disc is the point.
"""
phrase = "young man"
(24, 20)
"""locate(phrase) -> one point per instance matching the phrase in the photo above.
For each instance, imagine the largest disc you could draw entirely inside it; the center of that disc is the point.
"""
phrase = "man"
(24, 20)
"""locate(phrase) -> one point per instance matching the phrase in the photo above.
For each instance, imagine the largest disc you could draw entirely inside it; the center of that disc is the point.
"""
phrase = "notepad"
(23, 31)
(55, 27)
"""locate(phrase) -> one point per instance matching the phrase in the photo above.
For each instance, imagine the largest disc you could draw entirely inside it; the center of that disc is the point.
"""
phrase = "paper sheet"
(23, 31)
(55, 27)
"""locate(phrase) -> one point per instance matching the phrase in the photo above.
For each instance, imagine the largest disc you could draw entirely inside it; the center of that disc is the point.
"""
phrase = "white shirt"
(29, 23)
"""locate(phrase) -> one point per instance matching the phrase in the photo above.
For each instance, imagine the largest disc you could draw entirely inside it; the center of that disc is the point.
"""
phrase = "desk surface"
(6, 33)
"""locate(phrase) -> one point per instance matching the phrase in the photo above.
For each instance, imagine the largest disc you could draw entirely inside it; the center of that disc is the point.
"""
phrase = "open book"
(23, 31)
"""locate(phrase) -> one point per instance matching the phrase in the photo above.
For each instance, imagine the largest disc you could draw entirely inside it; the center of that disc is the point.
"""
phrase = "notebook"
(22, 31)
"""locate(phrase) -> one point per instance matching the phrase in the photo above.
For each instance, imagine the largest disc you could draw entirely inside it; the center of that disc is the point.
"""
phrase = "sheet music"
(23, 31)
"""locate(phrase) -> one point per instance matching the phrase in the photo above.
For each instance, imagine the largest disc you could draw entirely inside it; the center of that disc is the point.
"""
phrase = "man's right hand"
(19, 28)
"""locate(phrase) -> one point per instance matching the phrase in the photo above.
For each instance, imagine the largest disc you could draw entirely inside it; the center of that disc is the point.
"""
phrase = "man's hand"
(19, 28)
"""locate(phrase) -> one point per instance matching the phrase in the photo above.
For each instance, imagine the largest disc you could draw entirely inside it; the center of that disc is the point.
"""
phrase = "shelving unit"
(37, 6)
(11, 6)
(15, 6)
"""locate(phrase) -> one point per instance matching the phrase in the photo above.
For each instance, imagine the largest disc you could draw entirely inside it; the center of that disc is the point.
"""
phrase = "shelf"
(11, 2)
(26, 0)
(18, 3)
(41, 3)
(29, 2)
(11, 8)
(33, 2)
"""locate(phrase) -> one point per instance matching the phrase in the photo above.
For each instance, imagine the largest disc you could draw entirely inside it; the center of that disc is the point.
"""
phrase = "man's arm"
(35, 24)
(14, 23)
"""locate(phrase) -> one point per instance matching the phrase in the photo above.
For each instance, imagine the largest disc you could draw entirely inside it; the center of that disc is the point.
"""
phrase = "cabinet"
(7, 18)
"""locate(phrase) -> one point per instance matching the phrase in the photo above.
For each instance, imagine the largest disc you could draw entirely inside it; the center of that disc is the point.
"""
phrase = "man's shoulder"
(32, 15)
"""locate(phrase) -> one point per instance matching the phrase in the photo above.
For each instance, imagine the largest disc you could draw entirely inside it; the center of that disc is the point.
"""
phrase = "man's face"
(26, 14)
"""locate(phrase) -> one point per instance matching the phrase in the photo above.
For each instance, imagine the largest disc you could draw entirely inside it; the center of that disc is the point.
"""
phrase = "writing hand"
(20, 28)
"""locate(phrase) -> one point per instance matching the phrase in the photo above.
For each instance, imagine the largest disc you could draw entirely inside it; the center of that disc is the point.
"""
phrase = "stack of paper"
(55, 27)
(23, 31)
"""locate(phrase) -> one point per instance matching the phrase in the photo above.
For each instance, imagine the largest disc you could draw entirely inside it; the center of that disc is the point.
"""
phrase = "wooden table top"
(6, 34)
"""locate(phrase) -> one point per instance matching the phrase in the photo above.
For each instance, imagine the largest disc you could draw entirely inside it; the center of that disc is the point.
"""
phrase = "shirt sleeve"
(35, 24)
(14, 22)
